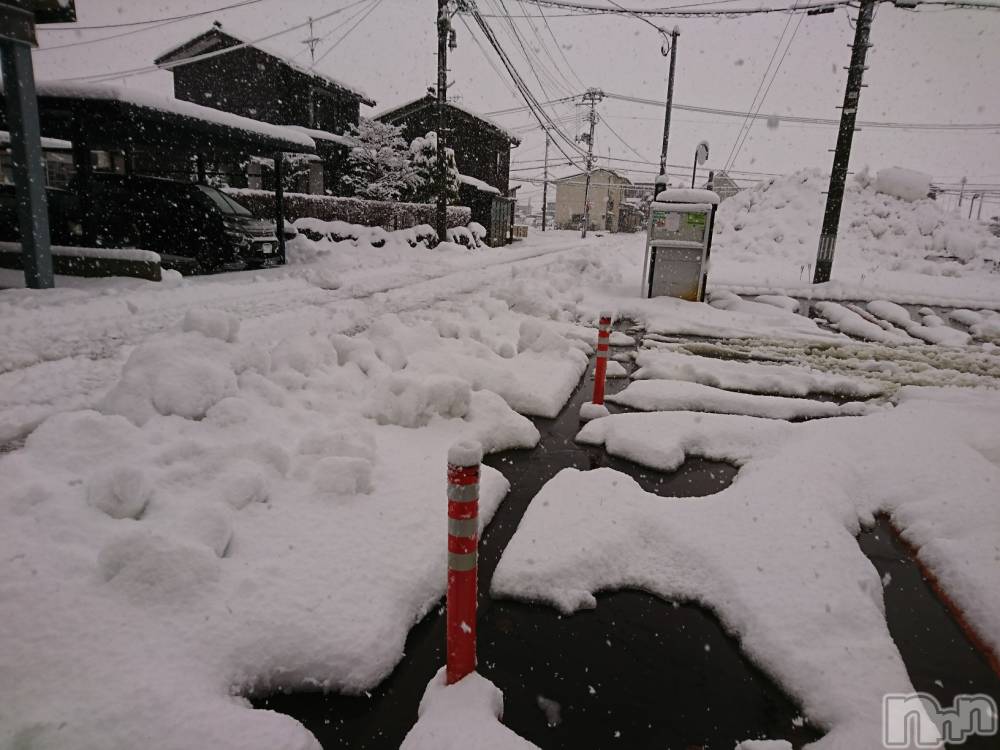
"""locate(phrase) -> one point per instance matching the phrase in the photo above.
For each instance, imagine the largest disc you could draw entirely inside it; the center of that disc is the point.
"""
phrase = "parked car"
(193, 227)
(64, 216)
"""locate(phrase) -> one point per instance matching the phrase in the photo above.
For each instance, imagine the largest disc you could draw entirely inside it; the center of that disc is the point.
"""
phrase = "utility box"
(678, 243)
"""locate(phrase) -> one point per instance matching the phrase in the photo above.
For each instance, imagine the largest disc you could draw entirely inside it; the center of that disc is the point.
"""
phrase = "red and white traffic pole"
(464, 459)
(597, 408)
(601, 367)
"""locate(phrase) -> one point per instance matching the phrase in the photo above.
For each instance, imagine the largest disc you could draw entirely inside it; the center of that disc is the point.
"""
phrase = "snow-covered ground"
(231, 483)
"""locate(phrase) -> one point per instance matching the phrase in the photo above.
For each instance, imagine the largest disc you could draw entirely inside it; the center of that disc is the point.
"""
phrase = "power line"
(689, 9)
(544, 121)
(336, 44)
(155, 25)
(811, 120)
(760, 87)
(622, 140)
(98, 77)
(168, 19)
(740, 141)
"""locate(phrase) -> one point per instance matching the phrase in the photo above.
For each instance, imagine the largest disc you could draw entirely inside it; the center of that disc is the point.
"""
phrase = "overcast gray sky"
(934, 65)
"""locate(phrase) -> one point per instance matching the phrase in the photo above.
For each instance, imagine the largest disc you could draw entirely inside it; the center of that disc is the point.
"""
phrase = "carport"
(101, 117)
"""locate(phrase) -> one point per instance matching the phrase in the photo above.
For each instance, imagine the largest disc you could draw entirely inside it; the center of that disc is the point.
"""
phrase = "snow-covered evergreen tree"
(423, 151)
(380, 166)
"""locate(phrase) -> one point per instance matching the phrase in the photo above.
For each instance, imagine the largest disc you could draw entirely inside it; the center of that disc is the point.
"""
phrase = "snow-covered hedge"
(386, 214)
(317, 230)
(314, 237)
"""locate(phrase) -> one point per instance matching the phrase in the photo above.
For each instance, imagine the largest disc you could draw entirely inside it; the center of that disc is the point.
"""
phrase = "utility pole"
(961, 192)
(443, 27)
(592, 97)
(670, 98)
(972, 203)
(545, 182)
(842, 154)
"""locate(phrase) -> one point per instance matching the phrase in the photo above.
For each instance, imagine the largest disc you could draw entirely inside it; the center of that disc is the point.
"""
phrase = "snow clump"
(411, 401)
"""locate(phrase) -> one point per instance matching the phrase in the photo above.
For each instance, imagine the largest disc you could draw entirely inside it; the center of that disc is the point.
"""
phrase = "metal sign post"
(678, 243)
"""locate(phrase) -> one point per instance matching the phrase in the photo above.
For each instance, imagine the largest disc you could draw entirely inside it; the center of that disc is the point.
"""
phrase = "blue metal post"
(27, 160)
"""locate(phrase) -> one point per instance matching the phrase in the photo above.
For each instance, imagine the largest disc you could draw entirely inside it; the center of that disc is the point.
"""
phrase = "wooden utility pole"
(842, 154)
(545, 182)
(670, 99)
(443, 27)
(592, 97)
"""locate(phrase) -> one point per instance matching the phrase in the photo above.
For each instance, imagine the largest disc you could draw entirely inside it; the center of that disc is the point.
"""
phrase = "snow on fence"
(386, 214)
(90, 261)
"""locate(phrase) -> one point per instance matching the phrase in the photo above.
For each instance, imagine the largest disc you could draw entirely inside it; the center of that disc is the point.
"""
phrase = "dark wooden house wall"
(480, 151)
(251, 83)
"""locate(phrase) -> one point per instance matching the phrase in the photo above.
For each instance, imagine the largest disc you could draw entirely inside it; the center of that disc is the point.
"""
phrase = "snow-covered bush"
(425, 161)
(389, 215)
(462, 236)
(380, 167)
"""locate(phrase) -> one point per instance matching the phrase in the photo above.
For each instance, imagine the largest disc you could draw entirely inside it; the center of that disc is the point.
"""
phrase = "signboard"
(694, 220)
(701, 153)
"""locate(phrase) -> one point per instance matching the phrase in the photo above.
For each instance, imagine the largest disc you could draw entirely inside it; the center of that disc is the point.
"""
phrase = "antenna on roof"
(311, 42)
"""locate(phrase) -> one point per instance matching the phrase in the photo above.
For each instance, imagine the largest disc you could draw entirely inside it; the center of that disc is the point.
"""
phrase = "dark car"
(64, 216)
(192, 227)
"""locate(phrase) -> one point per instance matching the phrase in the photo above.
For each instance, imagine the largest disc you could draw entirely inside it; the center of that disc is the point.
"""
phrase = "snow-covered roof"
(324, 135)
(175, 53)
(581, 175)
(53, 144)
(687, 195)
(158, 102)
(478, 184)
(427, 100)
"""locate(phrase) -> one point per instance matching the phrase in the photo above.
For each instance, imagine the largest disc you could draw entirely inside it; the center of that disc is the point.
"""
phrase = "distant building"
(608, 208)
(482, 153)
(260, 84)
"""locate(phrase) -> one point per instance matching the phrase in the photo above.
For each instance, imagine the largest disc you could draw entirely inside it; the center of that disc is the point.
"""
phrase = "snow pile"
(679, 395)
(165, 547)
(767, 235)
(898, 316)
(411, 401)
(774, 379)
(905, 184)
(466, 714)
(774, 554)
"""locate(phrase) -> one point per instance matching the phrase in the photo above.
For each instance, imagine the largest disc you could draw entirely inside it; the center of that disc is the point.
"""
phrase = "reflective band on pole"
(463, 492)
(463, 558)
(462, 562)
(465, 527)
